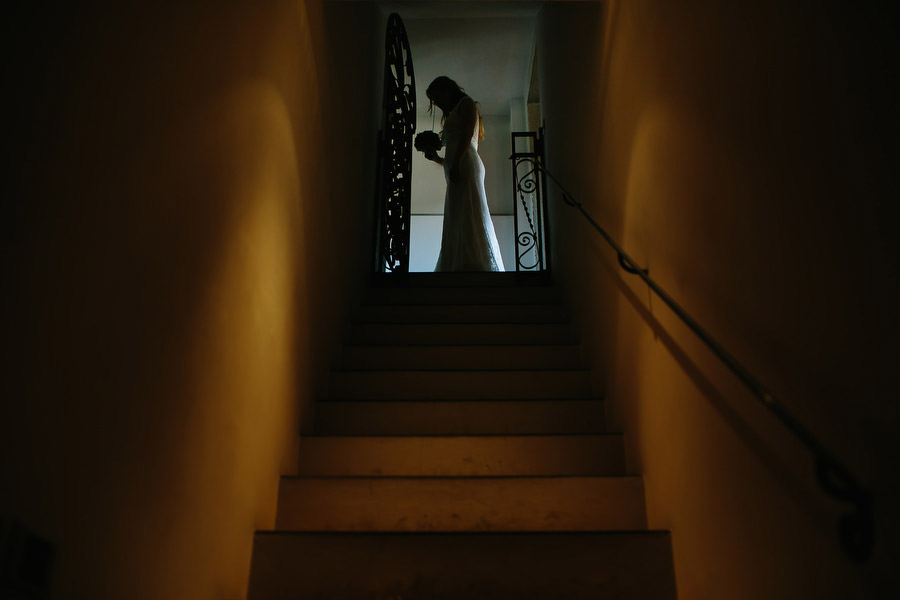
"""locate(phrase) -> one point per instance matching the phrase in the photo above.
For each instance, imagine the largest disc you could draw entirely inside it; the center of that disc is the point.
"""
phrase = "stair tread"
(461, 503)
(586, 479)
(451, 399)
(460, 417)
(462, 334)
(485, 295)
(452, 436)
(465, 383)
(549, 304)
(461, 452)
(493, 345)
(519, 533)
(516, 278)
(427, 399)
(469, 323)
(471, 565)
(466, 313)
(364, 369)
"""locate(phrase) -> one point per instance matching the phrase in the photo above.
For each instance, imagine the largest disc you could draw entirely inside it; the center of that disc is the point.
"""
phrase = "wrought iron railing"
(856, 526)
(531, 232)
(394, 184)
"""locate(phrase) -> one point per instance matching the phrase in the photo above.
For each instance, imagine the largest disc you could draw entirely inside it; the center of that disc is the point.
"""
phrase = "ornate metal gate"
(529, 201)
(398, 125)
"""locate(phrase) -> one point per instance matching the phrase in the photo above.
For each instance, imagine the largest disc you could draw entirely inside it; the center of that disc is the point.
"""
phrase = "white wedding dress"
(468, 240)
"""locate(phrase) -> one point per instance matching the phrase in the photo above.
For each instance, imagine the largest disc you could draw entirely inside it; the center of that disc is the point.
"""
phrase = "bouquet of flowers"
(428, 142)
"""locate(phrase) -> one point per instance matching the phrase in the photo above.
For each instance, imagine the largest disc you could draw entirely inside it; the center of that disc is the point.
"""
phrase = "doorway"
(488, 48)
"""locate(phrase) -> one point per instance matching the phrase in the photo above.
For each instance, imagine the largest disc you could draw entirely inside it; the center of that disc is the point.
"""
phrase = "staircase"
(461, 455)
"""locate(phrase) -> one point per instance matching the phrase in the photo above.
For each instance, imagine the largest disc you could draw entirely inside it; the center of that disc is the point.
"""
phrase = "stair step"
(461, 384)
(460, 504)
(461, 295)
(461, 357)
(521, 279)
(461, 333)
(475, 313)
(461, 454)
(471, 456)
(485, 566)
(459, 417)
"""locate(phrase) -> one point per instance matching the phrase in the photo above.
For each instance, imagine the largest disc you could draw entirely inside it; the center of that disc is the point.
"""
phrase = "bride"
(468, 240)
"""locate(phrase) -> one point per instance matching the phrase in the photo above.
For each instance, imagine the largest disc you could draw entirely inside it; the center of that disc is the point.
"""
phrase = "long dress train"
(468, 240)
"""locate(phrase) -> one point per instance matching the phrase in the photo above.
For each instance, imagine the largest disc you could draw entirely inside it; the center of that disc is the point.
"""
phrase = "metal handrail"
(855, 528)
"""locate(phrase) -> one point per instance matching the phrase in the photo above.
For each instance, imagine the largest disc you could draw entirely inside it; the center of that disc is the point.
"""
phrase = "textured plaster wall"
(743, 154)
(178, 252)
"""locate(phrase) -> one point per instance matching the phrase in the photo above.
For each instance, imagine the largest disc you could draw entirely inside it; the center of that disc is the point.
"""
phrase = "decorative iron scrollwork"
(526, 242)
(528, 197)
(398, 128)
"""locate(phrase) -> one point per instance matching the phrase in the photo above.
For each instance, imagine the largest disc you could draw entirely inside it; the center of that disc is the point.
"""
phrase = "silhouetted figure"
(468, 240)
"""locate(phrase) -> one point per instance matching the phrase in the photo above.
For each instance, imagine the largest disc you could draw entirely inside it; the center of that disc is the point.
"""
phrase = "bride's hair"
(446, 84)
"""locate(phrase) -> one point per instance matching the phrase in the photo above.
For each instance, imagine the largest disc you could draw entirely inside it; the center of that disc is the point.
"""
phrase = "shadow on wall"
(733, 153)
(158, 289)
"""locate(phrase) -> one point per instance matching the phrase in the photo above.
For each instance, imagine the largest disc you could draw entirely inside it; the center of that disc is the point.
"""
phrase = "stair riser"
(461, 357)
(522, 280)
(462, 456)
(467, 296)
(539, 313)
(469, 504)
(459, 418)
(449, 333)
(473, 567)
(421, 504)
(398, 385)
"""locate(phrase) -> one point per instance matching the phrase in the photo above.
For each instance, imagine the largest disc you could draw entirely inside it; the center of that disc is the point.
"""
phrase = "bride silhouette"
(468, 240)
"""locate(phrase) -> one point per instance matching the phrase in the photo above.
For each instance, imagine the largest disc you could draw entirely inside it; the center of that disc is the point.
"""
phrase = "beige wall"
(736, 151)
(175, 273)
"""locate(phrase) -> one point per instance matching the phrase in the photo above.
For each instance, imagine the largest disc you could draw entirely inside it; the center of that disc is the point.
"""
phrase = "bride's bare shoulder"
(466, 106)
(466, 103)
